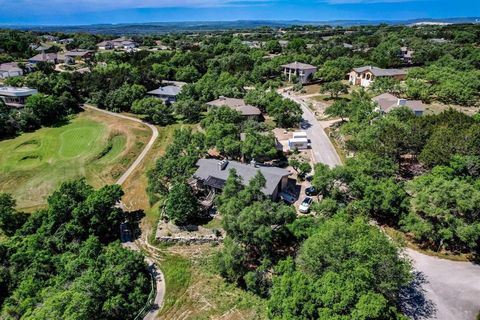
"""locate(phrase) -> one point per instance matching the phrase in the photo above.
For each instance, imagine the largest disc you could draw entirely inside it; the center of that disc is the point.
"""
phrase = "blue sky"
(68, 12)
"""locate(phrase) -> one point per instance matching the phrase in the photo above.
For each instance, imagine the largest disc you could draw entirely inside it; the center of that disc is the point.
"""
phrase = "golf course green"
(34, 164)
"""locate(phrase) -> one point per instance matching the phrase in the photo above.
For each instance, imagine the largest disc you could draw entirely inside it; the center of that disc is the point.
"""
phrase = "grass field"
(195, 291)
(92, 145)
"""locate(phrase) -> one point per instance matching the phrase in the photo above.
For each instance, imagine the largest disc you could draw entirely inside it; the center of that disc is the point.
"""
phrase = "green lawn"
(34, 164)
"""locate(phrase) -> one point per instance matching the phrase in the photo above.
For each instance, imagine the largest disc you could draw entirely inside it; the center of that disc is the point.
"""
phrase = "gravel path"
(145, 150)
(152, 267)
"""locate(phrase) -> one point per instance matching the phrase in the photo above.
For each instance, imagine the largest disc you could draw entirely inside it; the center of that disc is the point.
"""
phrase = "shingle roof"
(387, 102)
(379, 72)
(10, 67)
(166, 91)
(299, 66)
(236, 104)
(208, 169)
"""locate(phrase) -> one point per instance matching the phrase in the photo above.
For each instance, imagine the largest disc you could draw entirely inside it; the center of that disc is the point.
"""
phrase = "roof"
(379, 72)
(17, 92)
(166, 91)
(10, 67)
(299, 66)
(44, 57)
(236, 104)
(77, 53)
(387, 102)
(209, 170)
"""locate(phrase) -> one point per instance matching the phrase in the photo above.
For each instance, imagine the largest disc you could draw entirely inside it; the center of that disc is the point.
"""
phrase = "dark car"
(311, 191)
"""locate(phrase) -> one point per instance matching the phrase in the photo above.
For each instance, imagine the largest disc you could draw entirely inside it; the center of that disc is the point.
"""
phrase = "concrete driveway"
(322, 148)
(443, 289)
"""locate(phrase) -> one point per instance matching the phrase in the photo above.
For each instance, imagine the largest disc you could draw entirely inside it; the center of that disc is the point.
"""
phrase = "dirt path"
(145, 150)
(152, 267)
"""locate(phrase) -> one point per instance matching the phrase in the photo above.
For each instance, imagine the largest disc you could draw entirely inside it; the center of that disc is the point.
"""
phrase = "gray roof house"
(237, 105)
(213, 174)
(167, 93)
(302, 71)
(10, 69)
(364, 76)
(388, 102)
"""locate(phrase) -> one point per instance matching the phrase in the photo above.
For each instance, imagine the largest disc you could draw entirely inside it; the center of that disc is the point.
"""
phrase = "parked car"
(305, 205)
(311, 191)
(309, 177)
(288, 197)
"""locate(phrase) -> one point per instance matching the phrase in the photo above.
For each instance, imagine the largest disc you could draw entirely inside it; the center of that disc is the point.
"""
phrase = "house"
(253, 44)
(406, 55)
(387, 102)
(10, 69)
(213, 174)
(45, 57)
(364, 76)
(237, 105)
(302, 71)
(120, 43)
(50, 38)
(15, 97)
(167, 93)
(65, 41)
(79, 54)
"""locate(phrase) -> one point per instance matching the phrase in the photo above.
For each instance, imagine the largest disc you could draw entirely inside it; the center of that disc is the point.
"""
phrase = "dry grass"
(404, 240)
(195, 292)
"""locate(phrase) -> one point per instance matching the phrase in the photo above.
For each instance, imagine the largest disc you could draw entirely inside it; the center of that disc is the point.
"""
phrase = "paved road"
(152, 268)
(443, 289)
(144, 152)
(322, 148)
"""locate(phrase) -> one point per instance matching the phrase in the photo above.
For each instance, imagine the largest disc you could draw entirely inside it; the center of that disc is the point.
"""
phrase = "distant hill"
(205, 26)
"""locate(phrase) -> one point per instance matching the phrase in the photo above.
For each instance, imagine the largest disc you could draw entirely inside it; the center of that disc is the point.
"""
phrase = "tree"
(188, 109)
(344, 269)
(335, 88)
(339, 108)
(10, 219)
(300, 165)
(387, 54)
(386, 84)
(181, 206)
(122, 98)
(154, 111)
(273, 46)
(259, 146)
(45, 109)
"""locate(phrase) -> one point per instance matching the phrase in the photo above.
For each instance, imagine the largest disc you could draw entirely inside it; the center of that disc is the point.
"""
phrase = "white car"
(305, 205)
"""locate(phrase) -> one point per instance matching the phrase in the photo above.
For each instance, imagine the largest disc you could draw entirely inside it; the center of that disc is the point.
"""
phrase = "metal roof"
(170, 91)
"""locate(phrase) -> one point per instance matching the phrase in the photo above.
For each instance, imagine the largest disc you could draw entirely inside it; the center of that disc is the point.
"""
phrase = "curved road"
(153, 269)
(442, 289)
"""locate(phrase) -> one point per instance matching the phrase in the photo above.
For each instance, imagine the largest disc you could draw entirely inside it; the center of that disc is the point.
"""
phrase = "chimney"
(222, 165)
(402, 102)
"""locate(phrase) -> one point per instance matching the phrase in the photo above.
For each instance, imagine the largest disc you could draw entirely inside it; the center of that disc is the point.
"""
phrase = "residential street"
(443, 289)
(322, 148)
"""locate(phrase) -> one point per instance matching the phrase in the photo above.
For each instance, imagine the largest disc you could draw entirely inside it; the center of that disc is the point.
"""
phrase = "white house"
(10, 69)
(302, 71)
(364, 76)
(15, 97)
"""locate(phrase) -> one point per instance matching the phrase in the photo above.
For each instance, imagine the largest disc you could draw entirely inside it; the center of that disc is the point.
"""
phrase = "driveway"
(322, 148)
(443, 289)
